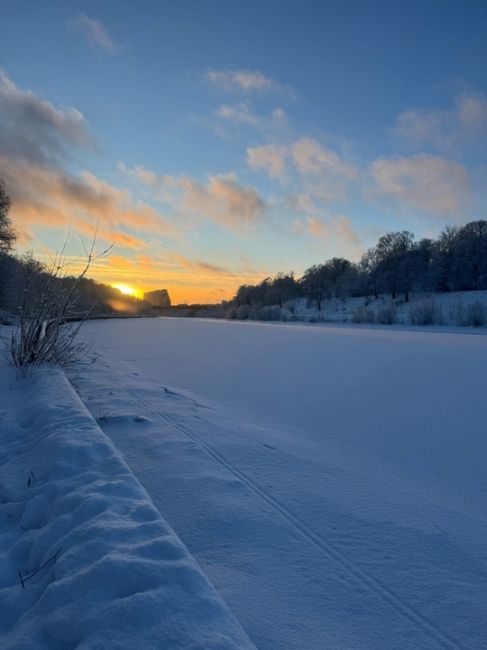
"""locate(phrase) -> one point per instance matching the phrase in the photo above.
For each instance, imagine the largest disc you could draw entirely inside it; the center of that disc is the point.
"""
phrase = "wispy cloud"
(338, 231)
(242, 114)
(237, 114)
(464, 124)
(232, 80)
(424, 183)
(95, 32)
(310, 226)
(201, 266)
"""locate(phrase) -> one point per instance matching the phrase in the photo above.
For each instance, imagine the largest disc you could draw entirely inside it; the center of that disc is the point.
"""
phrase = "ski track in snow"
(356, 572)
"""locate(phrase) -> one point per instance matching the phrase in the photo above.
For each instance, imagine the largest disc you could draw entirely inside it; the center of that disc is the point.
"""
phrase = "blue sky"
(216, 143)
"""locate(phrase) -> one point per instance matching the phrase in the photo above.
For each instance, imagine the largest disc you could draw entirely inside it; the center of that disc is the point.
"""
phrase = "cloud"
(337, 231)
(344, 230)
(53, 198)
(271, 158)
(421, 128)
(310, 226)
(242, 114)
(279, 117)
(36, 140)
(95, 32)
(201, 266)
(239, 114)
(32, 128)
(221, 200)
(310, 157)
(324, 174)
(240, 80)
(465, 124)
(472, 112)
(424, 183)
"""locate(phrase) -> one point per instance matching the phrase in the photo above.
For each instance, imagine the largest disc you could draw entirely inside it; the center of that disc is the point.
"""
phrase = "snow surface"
(100, 568)
(331, 482)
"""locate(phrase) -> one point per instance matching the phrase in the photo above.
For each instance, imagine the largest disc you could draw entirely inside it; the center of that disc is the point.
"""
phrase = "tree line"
(397, 264)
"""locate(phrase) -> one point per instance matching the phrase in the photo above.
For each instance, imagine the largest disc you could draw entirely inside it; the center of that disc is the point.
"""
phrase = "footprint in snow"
(140, 418)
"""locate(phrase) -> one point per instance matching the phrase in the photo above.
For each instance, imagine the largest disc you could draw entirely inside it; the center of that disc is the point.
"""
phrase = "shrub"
(426, 312)
(49, 324)
(387, 314)
(269, 312)
(456, 311)
(474, 314)
(363, 315)
(242, 312)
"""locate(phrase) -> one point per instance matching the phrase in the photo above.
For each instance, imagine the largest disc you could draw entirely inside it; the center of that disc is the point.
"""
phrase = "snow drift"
(86, 559)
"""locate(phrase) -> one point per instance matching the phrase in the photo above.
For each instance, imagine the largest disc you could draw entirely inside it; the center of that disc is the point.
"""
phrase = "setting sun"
(128, 290)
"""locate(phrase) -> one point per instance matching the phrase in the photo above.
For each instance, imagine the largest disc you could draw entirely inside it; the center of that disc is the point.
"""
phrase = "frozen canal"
(331, 482)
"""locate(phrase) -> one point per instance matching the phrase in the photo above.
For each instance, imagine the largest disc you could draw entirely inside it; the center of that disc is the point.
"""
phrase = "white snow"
(331, 482)
(86, 561)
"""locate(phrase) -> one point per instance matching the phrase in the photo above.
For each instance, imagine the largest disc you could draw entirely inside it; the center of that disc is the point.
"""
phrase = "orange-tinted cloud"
(51, 198)
(201, 266)
(222, 200)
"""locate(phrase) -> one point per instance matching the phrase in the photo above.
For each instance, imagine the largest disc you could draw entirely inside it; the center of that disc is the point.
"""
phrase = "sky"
(216, 143)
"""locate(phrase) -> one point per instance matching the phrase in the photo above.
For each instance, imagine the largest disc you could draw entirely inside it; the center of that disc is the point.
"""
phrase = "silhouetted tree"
(469, 265)
(7, 234)
(396, 262)
(370, 270)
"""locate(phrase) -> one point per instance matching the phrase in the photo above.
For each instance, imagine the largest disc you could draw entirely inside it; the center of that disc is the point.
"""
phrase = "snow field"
(100, 568)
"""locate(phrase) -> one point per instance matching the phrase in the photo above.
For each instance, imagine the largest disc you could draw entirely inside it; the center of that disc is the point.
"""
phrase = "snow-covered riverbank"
(86, 560)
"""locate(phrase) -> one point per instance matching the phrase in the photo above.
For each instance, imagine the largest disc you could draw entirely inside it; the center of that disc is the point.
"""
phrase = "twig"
(23, 579)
